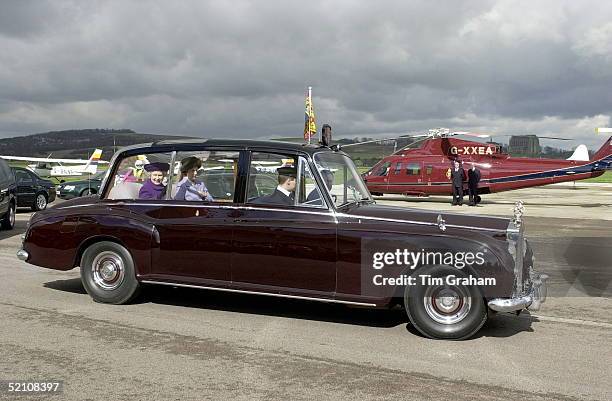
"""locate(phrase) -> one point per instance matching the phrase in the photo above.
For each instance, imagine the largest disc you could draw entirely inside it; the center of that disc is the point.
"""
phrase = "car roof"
(242, 144)
(15, 168)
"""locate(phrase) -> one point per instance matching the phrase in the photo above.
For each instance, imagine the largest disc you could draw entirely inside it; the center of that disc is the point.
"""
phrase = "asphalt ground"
(187, 344)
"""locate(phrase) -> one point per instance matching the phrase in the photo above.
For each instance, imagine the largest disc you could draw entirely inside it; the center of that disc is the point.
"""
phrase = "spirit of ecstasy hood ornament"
(519, 211)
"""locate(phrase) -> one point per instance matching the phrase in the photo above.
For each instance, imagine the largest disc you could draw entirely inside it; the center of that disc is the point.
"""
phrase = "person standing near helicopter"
(457, 176)
(473, 179)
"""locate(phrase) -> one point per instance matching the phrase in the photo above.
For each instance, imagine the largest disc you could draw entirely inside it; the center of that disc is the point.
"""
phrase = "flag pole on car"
(310, 127)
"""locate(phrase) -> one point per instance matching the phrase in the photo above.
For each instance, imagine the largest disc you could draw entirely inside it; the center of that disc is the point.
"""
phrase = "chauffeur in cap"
(284, 192)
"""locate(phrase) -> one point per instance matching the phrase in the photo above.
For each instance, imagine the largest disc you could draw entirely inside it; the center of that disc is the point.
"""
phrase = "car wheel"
(86, 192)
(8, 222)
(442, 311)
(40, 203)
(108, 273)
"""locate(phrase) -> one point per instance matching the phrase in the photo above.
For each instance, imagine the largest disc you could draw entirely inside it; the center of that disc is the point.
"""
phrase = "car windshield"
(341, 178)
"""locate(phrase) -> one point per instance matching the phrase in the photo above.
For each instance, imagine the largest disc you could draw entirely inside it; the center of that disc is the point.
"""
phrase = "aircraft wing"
(49, 160)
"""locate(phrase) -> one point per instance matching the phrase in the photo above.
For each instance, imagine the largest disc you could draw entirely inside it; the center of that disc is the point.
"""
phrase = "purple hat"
(157, 167)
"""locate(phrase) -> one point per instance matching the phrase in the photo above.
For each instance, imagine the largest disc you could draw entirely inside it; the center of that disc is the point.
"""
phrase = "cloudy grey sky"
(240, 68)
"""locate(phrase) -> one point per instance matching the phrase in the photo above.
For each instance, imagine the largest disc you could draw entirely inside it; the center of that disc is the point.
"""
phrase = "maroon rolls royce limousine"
(283, 220)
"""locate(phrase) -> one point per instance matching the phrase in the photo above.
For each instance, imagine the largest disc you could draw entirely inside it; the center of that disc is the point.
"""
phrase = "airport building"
(524, 145)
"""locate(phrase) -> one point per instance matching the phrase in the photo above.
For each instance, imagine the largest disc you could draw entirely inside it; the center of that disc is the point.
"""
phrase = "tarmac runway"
(181, 344)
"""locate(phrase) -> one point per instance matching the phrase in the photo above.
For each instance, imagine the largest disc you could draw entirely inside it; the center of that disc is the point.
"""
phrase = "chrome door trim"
(203, 287)
(422, 223)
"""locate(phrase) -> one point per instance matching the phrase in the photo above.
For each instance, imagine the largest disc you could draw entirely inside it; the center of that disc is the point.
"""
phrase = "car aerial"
(8, 196)
(32, 190)
(283, 220)
(85, 187)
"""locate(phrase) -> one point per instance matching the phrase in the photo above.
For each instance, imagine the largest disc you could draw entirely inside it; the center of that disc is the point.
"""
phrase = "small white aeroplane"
(270, 166)
(49, 167)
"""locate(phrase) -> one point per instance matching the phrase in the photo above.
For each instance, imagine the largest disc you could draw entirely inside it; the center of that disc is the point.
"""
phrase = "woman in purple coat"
(153, 188)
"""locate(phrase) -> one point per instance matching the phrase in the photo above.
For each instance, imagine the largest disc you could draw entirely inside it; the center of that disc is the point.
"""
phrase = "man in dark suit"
(473, 179)
(457, 177)
(284, 192)
(314, 197)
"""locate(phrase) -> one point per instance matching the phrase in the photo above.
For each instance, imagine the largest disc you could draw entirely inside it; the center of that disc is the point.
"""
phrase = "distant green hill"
(75, 143)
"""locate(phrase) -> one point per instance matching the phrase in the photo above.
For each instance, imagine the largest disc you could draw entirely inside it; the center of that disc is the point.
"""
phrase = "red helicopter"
(425, 170)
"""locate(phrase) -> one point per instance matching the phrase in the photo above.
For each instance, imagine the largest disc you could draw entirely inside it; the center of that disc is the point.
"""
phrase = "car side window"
(309, 193)
(282, 180)
(205, 175)
(272, 179)
(143, 176)
(22, 176)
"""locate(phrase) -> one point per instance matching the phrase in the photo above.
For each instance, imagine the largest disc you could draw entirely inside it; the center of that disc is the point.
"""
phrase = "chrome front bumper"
(532, 301)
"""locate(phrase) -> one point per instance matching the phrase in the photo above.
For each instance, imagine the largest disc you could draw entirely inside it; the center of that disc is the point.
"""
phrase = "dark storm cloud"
(240, 68)
(27, 18)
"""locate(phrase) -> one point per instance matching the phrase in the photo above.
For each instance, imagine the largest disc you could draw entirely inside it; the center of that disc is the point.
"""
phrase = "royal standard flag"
(310, 127)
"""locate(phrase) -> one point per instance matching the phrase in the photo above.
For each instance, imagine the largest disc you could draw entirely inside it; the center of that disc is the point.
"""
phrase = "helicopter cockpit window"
(383, 170)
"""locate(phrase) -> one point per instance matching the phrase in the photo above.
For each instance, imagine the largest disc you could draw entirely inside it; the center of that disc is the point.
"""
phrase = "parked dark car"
(8, 196)
(85, 187)
(292, 221)
(32, 190)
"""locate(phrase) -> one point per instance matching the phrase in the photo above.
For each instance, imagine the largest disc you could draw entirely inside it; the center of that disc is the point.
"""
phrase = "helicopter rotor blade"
(432, 133)
(468, 133)
(541, 137)
(554, 137)
(372, 141)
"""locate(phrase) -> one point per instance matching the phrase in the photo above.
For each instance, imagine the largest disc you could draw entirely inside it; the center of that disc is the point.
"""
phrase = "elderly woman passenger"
(189, 187)
(153, 188)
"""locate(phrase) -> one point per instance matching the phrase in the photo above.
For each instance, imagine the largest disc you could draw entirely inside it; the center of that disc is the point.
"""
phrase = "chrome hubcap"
(447, 305)
(108, 270)
(12, 216)
(41, 202)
